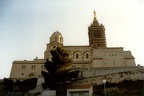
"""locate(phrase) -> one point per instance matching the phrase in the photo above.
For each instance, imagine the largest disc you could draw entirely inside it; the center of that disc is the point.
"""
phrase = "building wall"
(82, 56)
(82, 91)
(136, 74)
(112, 57)
(87, 58)
(93, 72)
(27, 69)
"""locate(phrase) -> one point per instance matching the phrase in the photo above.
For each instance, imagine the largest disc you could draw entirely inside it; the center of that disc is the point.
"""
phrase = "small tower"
(96, 34)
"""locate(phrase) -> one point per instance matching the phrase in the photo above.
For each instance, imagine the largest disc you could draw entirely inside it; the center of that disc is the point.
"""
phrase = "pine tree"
(59, 70)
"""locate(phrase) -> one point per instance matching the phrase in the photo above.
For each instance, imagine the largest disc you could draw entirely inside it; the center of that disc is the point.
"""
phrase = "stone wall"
(107, 70)
(112, 78)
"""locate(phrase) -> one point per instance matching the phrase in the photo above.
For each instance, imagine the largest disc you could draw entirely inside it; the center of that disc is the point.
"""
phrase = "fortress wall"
(108, 70)
(112, 78)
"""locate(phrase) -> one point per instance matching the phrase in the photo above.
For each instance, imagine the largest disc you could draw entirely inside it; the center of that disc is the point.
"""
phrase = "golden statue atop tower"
(94, 14)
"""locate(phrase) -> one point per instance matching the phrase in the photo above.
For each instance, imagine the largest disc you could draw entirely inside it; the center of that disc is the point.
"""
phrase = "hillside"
(124, 88)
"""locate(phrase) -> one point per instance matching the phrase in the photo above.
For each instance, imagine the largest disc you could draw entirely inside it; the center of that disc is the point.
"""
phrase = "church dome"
(57, 33)
(56, 37)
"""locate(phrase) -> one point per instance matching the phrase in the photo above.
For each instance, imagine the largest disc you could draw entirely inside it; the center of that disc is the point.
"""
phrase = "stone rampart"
(115, 76)
(107, 70)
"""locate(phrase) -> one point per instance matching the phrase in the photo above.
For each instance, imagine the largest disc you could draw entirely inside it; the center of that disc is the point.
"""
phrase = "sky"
(26, 26)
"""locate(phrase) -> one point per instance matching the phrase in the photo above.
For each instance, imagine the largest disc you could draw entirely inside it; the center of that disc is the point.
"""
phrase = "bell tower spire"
(96, 34)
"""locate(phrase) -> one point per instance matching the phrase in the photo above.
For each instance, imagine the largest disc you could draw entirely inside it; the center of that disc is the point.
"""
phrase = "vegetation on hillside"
(124, 88)
(8, 85)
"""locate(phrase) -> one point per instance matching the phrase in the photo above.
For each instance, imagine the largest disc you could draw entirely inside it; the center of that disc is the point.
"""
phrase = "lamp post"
(104, 82)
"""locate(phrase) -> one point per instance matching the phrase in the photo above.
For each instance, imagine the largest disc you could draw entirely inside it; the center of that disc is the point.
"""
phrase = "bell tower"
(96, 34)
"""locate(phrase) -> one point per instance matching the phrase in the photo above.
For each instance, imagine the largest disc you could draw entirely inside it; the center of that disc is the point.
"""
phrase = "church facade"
(94, 55)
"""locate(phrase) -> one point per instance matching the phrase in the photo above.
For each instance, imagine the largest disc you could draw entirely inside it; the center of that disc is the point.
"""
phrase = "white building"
(80, 91)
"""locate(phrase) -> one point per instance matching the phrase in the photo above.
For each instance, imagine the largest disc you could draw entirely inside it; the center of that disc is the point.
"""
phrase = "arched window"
(87, 56)
(55, 38)
(61, 39)
(31, 75)
(77, 56)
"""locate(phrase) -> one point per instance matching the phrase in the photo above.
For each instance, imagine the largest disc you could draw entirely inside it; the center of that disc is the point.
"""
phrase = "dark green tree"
(8, 85)
(59, 70)
(27, 84)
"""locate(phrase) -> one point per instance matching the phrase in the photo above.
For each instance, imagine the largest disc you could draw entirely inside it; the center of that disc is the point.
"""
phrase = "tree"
(59, 69)
(27, 85)
(8, 85)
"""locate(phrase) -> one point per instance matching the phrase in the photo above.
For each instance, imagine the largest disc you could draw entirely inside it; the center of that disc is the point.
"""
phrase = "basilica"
(95, 55)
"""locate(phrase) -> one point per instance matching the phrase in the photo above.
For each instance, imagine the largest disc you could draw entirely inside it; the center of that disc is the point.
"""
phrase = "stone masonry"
(112, 78)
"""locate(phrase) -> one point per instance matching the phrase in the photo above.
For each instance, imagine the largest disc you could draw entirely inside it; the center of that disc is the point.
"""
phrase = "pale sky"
(26, 26)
